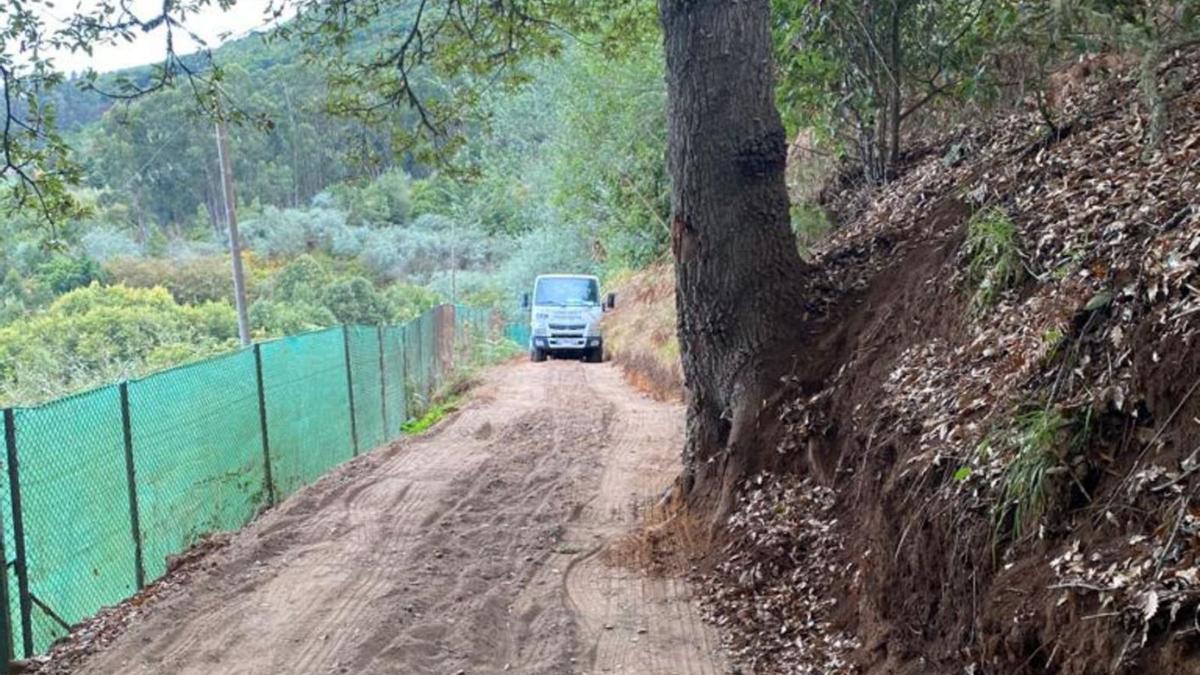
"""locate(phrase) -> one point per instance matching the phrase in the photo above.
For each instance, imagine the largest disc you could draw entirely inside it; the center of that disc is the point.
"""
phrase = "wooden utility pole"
(235, 243)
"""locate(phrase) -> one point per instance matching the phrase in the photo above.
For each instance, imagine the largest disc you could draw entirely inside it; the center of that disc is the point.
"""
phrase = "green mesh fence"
(308, 407)
(366, 369)
(518, 333)
(470, 323)
(395, 400)
(472, 327)
(421, 348)
(79, 552)
(109, 483)
(197, 453)
(427, 339)
(10, 616)
(412, 365)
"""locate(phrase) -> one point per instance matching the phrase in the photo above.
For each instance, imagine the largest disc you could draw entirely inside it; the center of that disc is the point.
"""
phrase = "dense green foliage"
(870, 76)
(99, 333)
(564, 173)
(378, 173)
(156, 156)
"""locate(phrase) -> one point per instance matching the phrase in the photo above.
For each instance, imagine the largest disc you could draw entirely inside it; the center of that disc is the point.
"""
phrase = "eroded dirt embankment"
(992, 472)
(472, 549)
(640, 333)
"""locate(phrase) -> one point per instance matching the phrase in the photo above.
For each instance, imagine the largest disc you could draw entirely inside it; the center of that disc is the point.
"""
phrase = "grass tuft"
(994, 257)
(1045, 440)
(432, 416)
(1026, 484)
(811, 225)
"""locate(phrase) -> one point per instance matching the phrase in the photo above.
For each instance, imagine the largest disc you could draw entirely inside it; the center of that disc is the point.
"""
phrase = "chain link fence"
(100, 488)
(518, 333)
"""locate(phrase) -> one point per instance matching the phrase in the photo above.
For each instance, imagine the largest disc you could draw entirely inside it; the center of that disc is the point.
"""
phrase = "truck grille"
(567, 327)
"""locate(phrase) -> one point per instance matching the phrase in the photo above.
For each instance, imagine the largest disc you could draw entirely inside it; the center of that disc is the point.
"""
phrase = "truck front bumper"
(564, 344)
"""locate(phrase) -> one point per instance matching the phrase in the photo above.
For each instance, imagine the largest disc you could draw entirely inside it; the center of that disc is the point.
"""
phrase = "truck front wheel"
(537, 355)
(594, 355)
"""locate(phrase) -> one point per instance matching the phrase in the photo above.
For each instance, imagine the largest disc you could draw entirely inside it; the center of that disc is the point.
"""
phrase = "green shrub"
(810, 224)
(436, 412)
(103, 243)
(478, 289)
(189, 280)
(14, 297)
(994, 262)
(269, 318)
(384, 201)
(277, 233)
(355, 301)
(62, 273)
(300, 282)
(99, 334)
(406, 302)
(432, 195)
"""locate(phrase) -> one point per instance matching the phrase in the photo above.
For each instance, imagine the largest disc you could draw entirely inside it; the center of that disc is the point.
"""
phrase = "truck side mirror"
(611, 301)
(525, 301)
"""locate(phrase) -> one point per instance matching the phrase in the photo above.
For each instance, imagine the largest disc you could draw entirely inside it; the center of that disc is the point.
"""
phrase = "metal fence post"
(6, 632)
(14, 491)
(387, 433)
(350, 388)
(268, 480)
(139, 569)
(420, 321)
(439, 339)
(404, 383)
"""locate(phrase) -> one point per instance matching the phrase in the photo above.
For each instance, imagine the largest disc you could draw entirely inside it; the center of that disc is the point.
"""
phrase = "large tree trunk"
(736, 262)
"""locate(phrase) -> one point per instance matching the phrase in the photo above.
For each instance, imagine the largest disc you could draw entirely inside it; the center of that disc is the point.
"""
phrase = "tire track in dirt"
(470, 549)
(632, 623)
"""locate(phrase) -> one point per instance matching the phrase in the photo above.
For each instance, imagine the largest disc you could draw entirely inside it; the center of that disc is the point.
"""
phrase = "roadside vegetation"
(338, 226)
(436, 413)
(949, 210)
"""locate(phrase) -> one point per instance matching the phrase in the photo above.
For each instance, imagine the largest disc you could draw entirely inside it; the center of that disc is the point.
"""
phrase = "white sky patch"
(211, 24)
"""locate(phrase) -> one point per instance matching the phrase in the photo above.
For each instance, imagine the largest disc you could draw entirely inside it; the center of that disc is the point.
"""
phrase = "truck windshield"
(566, 291)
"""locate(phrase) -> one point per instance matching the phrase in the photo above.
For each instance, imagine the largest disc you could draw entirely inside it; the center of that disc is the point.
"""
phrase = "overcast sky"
(209, 24)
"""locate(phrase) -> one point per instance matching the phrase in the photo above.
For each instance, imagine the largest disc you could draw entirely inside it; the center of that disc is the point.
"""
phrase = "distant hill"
(154, 155)
(80, 103)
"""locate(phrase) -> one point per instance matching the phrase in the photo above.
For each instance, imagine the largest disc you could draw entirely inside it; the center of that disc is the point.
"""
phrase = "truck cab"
(564, 317)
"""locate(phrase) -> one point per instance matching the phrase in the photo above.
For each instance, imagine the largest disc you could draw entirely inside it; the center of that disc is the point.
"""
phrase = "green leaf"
(1099, 301)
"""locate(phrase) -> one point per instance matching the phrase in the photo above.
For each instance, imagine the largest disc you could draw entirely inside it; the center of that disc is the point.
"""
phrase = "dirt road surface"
(472, 549)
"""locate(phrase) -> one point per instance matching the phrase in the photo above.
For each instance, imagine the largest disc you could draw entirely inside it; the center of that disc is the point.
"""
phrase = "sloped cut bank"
(989, 454)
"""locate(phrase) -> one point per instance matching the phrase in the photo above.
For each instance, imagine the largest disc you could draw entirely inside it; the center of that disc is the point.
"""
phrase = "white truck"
(564, 317)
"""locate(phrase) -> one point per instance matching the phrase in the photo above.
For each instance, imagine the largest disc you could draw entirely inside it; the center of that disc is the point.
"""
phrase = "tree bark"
(737, 267)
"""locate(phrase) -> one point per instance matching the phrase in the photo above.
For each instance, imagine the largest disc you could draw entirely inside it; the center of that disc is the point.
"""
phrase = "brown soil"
(472, 549)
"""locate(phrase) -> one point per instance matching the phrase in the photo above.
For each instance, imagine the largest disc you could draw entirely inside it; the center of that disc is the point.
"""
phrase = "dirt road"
(472, 549)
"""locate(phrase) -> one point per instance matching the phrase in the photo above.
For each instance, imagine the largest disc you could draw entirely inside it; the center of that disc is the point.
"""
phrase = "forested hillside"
(344, 219)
